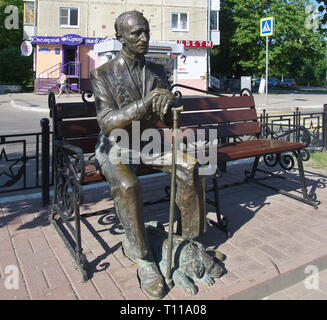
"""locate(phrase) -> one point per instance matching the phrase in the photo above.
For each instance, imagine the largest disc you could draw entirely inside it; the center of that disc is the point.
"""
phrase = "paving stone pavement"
(275, 238)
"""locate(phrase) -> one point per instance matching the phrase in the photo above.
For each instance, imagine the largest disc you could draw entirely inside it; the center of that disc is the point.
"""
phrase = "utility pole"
(267, 58)
(208, 38)
(34, 18)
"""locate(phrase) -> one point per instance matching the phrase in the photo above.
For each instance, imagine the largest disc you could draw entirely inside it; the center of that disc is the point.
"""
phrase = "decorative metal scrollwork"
(88, 94)
(288, 132)
(286, 161)
(271, 160)
(68, 188)
(305, 154)
(179, 97)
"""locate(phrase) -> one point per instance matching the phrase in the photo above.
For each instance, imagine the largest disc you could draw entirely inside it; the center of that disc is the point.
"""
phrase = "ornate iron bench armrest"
(69, 152)
(288, 132)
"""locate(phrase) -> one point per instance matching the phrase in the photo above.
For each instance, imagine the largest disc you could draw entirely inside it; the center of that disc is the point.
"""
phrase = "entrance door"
(69, 58)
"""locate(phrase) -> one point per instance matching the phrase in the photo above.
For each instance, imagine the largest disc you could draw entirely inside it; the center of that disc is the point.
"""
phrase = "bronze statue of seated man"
(128, 89)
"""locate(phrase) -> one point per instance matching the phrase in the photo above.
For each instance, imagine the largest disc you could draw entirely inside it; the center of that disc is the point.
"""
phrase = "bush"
(16, 69)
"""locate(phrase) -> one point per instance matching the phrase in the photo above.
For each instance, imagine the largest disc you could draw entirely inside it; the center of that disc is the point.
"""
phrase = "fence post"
(324, 128)
(45, 160)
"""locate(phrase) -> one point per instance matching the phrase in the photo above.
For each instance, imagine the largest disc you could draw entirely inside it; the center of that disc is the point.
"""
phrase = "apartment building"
(65, 33)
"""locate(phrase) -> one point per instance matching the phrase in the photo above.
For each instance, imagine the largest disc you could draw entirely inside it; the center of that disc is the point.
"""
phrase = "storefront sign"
(69, 39)
(92, 41)
(45, 40)
(160, 48)
(26, 48)
(196, 43)
(44, 50)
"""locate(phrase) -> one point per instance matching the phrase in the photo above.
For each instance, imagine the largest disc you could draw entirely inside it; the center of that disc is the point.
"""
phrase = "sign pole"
(267, 28)
(267, 55)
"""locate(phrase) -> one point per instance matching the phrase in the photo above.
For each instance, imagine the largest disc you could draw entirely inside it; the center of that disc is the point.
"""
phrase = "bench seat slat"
(253, 148)
(93, 176)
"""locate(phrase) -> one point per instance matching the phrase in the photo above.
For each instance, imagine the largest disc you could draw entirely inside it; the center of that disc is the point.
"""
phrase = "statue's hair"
(121, 18)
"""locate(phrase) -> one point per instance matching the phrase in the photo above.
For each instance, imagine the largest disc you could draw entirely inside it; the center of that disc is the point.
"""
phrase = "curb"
(25, 108)
(280, 282)
(290, 108)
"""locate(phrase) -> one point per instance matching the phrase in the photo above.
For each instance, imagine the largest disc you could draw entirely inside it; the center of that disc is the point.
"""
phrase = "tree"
(14, 68)
(323, 9)
(18, 69)
(11, 34)
(243, 50)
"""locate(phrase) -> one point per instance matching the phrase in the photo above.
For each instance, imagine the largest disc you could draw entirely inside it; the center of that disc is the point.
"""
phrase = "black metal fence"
(315, 122)
(26, 161)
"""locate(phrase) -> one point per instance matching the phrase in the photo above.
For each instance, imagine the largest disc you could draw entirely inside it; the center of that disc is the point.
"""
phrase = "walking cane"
(169, 281)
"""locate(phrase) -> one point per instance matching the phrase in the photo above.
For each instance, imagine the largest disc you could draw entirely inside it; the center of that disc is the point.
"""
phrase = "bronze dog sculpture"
(191, 262)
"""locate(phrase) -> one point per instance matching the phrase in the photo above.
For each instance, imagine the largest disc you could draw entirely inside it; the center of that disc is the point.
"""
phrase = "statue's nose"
(144, 36)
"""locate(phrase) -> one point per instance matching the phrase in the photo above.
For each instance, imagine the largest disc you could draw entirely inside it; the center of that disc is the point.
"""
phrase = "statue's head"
(133, 31)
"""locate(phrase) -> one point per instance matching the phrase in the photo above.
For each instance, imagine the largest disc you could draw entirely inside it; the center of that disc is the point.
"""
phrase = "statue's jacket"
(118, 100)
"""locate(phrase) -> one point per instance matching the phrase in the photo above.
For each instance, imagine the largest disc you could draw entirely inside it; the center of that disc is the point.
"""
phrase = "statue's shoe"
(152, 282)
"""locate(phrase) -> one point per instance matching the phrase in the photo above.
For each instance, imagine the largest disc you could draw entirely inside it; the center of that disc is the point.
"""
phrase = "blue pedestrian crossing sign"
(267, 26)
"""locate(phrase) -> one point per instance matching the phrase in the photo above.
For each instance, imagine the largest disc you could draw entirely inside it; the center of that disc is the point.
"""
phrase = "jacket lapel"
(149, 79)
(128, 81)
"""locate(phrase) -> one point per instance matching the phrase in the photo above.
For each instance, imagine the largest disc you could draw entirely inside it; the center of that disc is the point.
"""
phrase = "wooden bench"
(75, 131)
(242, 136)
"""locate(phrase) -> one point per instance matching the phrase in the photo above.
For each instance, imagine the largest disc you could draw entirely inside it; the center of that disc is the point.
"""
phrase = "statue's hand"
(148, 100)
(162, 102)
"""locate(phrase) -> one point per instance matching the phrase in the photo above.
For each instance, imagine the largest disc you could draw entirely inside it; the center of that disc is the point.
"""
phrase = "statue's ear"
(120, 38)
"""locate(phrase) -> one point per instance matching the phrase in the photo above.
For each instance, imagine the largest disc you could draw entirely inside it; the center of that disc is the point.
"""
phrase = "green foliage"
(17, 69)
(12, 37)
(294, 50)
(318, 160)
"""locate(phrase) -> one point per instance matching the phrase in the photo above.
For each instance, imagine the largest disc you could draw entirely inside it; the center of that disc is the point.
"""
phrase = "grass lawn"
(318, 160)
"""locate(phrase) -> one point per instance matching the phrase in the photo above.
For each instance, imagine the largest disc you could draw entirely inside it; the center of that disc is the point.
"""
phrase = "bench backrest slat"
(212, 103)
(236, 115)
(238, 129)
(203, 118)
(75, 110)
(77, 128)
(87, 144)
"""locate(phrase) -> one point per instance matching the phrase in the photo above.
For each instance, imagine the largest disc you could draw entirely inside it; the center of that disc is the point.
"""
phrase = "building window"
(68, 17)
(179, 21)
(214, 20)
(28, 12)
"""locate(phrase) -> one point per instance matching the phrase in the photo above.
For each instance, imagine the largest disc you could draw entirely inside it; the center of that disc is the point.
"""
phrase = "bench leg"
(250, 175)
(61, 215)
(80, 257)
(222, 221)
(306, 196)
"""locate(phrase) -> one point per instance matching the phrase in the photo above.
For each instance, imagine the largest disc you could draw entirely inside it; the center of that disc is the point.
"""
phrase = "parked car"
(288, 83)
(273, 82)
(257, 82)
